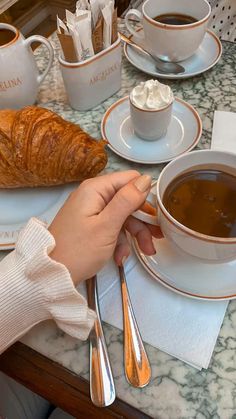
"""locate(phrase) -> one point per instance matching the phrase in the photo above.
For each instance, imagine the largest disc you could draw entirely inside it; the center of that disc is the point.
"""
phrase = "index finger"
(104, 188)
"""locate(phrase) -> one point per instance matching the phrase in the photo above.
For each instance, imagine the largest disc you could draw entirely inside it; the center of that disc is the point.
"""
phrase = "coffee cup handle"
(130, 28)
(144, 216)
(39, 38)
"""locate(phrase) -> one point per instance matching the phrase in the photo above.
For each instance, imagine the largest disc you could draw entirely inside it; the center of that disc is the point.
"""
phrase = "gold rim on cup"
(176, 27)
(181, 227)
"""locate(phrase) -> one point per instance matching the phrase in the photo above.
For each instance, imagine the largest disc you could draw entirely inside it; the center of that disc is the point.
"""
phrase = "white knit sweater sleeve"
(34, 288)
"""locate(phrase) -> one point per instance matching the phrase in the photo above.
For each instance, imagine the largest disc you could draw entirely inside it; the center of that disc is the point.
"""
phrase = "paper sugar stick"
(95, 10)
(70, 17)
(61, 27)
(114, 30)
(82, 5)
(68, 48)
(97, 36)
(103, 3)
(83, 26)
(76, 40)
(106, 12)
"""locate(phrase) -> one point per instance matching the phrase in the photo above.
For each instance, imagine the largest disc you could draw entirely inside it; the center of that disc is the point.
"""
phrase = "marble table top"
(176, 390)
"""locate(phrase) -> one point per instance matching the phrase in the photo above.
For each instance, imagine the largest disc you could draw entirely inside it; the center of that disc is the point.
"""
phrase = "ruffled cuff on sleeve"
(60, 299)
(33, 288)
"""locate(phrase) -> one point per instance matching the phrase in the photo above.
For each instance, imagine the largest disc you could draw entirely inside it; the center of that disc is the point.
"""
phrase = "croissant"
(39, 148)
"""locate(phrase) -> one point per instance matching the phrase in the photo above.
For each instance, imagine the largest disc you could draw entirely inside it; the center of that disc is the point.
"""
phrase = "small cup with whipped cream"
(151, 109)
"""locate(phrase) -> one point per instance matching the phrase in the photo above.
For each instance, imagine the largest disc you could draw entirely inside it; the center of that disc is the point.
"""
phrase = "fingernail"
(124, 259)
(143, 183)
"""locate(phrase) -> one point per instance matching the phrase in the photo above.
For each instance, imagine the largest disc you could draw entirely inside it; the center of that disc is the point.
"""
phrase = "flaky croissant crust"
(39, 148)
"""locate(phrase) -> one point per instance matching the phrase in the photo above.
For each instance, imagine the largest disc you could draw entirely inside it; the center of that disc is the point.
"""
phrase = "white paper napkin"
(180, 326)
(224, 131)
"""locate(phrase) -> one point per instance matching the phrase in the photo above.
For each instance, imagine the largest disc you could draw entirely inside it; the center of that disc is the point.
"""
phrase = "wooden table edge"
(60, 386)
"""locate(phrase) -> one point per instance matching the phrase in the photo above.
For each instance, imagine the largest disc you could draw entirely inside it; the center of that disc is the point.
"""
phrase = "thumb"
(127, 200)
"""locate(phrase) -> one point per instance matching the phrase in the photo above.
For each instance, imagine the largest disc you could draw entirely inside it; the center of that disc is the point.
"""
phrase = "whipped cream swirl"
(151, 95)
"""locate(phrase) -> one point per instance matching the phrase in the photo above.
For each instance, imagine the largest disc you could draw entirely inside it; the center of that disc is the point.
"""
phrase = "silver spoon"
(137, 367)
(161, 66)
(102, 387)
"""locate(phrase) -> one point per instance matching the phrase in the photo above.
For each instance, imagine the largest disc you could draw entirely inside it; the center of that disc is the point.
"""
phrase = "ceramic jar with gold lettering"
(19, 75)
(90, 82)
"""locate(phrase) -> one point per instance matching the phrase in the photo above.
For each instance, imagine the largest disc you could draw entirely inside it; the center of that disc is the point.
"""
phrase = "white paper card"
(224, 131)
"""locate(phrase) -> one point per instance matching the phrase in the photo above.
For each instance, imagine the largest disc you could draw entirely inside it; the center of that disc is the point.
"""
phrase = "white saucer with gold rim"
(206, 56)
(182, 135)
(188, 275)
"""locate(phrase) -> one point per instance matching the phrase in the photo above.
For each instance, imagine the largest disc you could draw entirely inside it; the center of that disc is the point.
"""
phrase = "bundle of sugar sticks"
(92, 28)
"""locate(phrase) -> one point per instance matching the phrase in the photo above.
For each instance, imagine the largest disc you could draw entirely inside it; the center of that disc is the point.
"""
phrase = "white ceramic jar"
(90, 82)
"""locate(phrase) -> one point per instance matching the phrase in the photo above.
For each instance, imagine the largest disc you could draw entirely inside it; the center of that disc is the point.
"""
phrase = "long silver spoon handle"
(137, 367)
(102, 388)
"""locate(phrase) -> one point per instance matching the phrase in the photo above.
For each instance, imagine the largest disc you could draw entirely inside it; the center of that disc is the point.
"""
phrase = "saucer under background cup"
(206, 56)
(182, 135)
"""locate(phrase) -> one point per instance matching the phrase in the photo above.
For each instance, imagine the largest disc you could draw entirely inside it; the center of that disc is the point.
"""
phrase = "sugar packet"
(92, 28)
(97, 36)
(84, 28)
(107, 13)
(66, 41)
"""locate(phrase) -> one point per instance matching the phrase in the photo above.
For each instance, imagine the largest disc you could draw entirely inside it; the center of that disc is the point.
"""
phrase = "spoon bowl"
(161, 66)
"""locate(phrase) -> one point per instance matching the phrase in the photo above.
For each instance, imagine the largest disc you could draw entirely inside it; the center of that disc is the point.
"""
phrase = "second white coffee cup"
(167, 41)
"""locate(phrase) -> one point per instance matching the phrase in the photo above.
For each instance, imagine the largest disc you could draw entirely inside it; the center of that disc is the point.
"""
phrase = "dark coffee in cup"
(175, 19)
(204, 200)
(6, 36)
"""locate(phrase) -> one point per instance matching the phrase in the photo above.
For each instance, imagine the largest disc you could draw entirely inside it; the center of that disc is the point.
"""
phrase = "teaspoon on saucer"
(137, 367)
(161, 66)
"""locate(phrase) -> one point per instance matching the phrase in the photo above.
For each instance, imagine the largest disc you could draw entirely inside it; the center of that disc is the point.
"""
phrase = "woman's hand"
(90, 227)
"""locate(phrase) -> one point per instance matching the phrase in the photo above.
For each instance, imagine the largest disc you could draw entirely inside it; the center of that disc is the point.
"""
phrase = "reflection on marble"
(176, 391)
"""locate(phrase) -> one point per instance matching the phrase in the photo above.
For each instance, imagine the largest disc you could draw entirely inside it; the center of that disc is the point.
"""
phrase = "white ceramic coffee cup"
(207, 248)
(150, 124)
(170, 42)
(19, 76)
